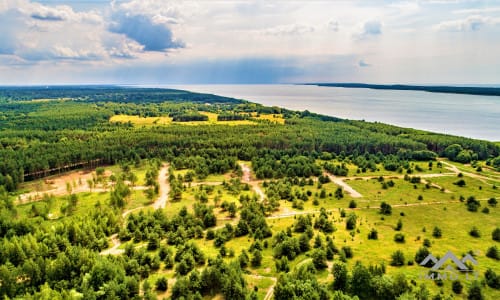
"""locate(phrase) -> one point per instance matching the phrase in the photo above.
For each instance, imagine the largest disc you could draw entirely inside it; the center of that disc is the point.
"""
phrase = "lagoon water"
(463, 115)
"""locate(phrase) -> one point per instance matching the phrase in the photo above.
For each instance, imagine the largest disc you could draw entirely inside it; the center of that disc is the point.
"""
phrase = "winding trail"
(116, 244)
(164, 190)
(247, 178)
(161, 201)
(456, 170)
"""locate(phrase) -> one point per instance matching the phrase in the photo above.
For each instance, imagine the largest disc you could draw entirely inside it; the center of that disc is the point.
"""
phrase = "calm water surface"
(464, 115)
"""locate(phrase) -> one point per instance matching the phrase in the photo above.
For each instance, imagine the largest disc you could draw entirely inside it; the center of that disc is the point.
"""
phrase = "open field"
(439, 207)
(212, 120)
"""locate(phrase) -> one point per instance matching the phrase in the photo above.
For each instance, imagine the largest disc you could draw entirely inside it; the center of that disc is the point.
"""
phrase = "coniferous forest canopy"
(46, 131)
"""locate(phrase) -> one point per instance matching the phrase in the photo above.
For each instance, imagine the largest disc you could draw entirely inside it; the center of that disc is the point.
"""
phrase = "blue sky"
(161, 42)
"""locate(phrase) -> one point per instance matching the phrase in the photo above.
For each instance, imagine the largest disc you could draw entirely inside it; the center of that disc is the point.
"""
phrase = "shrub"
(399, 225)
(421, 254)
(495, 235)
(436, 232)
(472, 204)
(351, 221)
(256, 258)
(373, 234)
(319, 259)
(492, 279)
(397, 258)
(474, 232)
(492, 252)
(385, 209)
(457, 287)
(162, 284)
(352, 204)
(347, 251)
(475, 292)
(492, 201)
(399, 238)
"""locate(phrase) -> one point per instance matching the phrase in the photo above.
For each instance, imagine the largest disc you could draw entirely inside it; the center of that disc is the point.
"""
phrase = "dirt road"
(164, 188)
(247, 178)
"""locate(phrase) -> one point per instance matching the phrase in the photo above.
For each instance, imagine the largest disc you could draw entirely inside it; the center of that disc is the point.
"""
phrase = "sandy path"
(164, 188)
(113, 250)
(247, 178)
(164, 191)
(454, 168)
(345, 186)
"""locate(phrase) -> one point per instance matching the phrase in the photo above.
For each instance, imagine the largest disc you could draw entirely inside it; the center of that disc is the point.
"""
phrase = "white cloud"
(471, 23)
(474, 11)
(292, 29)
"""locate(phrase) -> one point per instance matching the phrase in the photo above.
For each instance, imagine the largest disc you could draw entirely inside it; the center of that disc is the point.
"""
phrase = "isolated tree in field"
(475, 291)
(421, 254)
(474, 232)
(350, 223)
(373, 234)
(495, 235)
(492, 252)
(472, 204)
(385, 208)
(492, 279)
(436, 232)
(397, 258)
(457, 287)
(399, 225)
(339, 193)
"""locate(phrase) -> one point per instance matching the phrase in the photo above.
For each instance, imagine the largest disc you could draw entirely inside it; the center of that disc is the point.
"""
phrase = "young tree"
(385, 208)
(475, 291)
(319, 259)
(256, 258)
(457, 287)
(340, 276)
(161, 284)
(397, 258)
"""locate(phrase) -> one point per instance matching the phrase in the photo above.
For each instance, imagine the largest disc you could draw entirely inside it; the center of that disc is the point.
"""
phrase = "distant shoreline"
(467, 90)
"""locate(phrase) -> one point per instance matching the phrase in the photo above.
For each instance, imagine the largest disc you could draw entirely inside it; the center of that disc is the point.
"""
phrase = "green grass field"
(437, 208)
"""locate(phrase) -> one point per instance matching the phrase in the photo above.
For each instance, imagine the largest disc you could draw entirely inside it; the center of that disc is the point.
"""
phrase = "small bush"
(399, 238)
(495, 235)
(373, 235)
(492, 279)
(347, 251)
(436, 232)
(385, 209)
(474, 232)
(352, 204)
(492, 252)
(397, 258)
(399, 225)
(162, 284)
(472, 204)
(457, 287)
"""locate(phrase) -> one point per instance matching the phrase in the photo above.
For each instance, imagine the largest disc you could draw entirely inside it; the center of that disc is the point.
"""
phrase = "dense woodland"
(49, 130)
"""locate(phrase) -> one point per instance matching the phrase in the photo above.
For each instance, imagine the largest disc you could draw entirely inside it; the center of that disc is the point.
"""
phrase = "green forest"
(132, 193)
